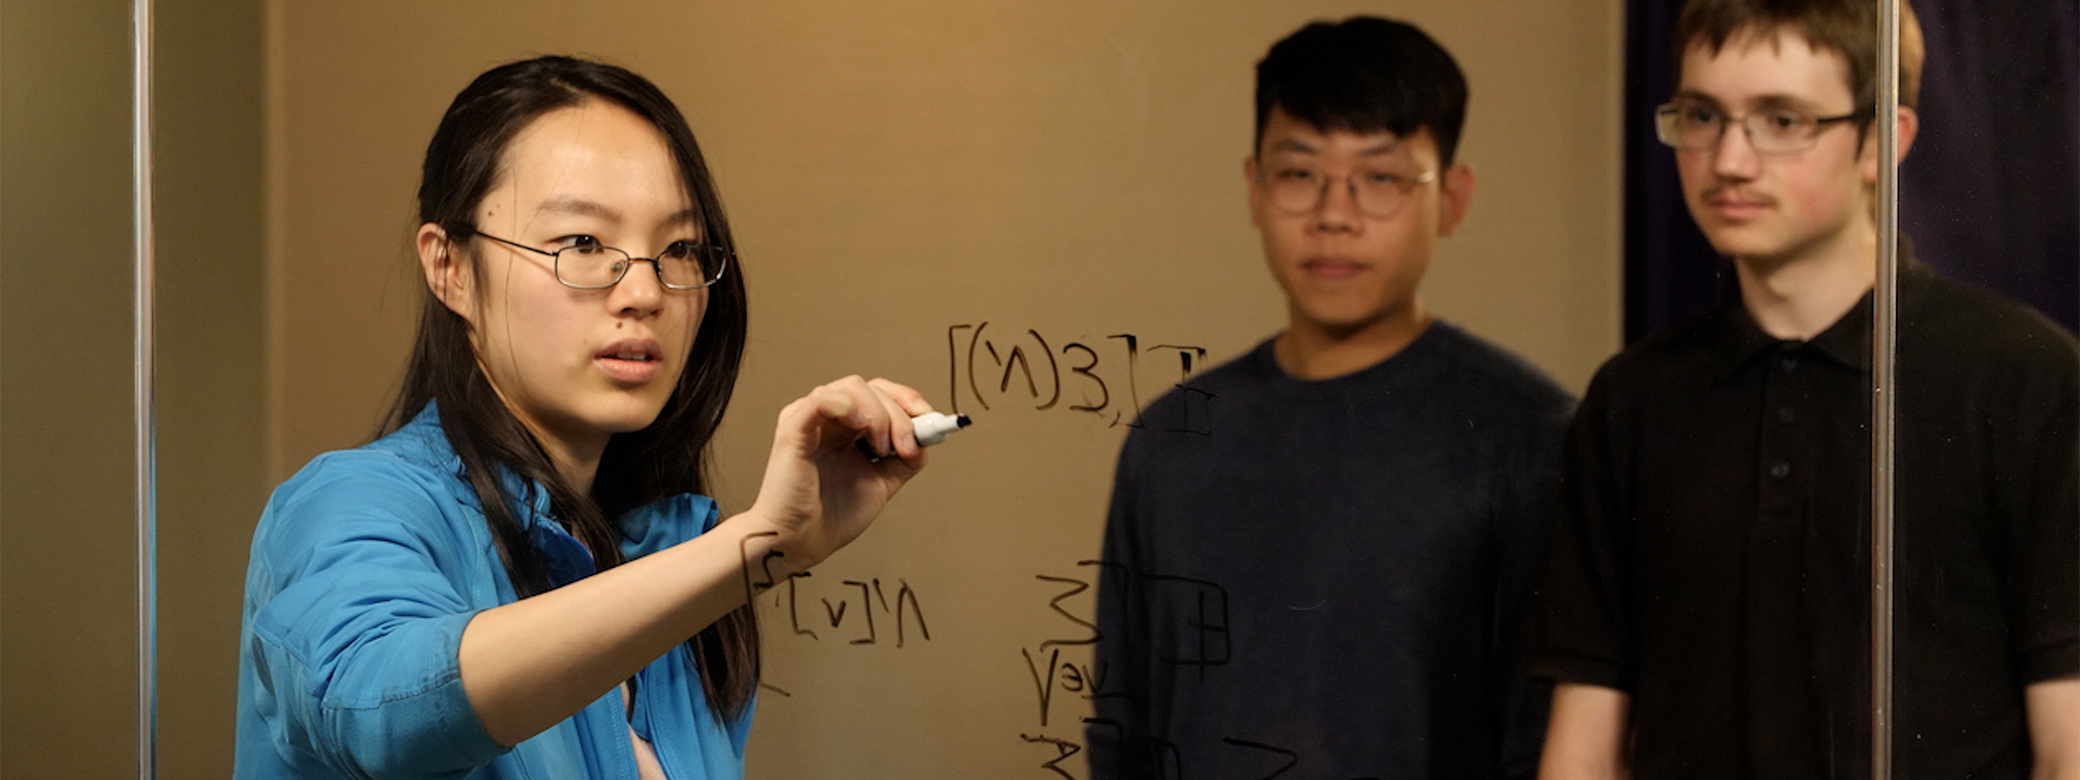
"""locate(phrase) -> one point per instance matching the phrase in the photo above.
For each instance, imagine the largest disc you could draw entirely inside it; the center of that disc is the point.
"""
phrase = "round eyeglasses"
(1378, 194)
(1694, 126)
(681, 266)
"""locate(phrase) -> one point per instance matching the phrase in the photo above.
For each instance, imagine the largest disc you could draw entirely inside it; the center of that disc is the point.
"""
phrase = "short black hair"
(1365, 75)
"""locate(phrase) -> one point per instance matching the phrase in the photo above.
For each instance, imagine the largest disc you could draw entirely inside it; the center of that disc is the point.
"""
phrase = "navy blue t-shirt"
(1324, 579)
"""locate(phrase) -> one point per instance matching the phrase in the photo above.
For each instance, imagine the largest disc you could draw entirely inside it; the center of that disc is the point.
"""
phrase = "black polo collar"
(1736, 341)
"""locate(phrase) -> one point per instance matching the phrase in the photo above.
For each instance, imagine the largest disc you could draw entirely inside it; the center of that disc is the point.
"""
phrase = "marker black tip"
(930, 428)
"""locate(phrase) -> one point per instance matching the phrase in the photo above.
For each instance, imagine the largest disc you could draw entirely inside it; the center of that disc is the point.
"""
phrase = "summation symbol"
(1199, 638)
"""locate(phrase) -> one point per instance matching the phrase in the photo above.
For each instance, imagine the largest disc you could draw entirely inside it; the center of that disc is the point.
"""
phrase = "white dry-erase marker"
(930, 428)
(933, 427)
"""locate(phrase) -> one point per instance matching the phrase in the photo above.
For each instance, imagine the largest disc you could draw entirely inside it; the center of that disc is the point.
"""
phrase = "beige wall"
(68, 631)
(207, 136)
(67, 646)
(953, 141)
(1072, 169)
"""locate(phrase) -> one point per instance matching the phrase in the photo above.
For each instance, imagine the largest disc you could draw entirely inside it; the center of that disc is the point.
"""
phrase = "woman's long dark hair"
(669, 457)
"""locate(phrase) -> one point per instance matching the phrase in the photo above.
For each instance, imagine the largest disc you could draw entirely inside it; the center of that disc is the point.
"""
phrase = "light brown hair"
(1847, 27)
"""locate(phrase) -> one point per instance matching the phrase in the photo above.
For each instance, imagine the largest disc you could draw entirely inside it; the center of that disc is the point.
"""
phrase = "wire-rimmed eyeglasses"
(1378, 194)
(682, 266)
(1697, 126)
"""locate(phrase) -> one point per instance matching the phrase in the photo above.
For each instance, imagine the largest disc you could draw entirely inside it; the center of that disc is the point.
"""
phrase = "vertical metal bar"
(1884, 389)
(141, 383)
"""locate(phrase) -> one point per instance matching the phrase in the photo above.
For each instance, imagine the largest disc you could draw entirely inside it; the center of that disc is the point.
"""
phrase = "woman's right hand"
(529, 664)
(820, 492)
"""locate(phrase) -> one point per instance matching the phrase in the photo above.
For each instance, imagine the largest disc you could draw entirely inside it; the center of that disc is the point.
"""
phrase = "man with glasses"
(1706, 607)
(1316, 554)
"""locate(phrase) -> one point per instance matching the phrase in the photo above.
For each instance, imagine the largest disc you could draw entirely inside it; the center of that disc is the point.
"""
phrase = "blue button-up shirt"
(365, 568)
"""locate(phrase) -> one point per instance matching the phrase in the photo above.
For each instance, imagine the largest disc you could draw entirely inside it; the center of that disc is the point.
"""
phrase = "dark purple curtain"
(1670, 270)
(1990, 193)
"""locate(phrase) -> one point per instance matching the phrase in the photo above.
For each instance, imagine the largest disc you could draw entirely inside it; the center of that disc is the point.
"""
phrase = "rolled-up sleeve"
(355, 620)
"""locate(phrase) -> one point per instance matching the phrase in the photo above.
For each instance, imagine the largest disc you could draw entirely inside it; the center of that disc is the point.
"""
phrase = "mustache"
(1734, 192)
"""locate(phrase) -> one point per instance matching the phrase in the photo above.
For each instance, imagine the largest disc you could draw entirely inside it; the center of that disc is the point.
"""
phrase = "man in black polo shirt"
(1706, 605)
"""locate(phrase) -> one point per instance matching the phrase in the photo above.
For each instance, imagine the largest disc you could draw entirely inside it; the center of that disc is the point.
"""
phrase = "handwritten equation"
(1004, 369)
(857, 601)
(1161, 760)
(1200, 639)
(1193, 631)
(899, 605)
(1187, 624)
(1165, 762)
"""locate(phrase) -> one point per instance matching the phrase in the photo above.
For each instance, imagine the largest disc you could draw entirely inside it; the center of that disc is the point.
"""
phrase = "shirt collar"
(645, 529)
(431, 438)
(1737, 341)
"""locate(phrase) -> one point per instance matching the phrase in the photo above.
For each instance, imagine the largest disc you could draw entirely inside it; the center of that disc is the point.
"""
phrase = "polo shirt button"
(1785, 415)
(1789, 363)
(1780, 469)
